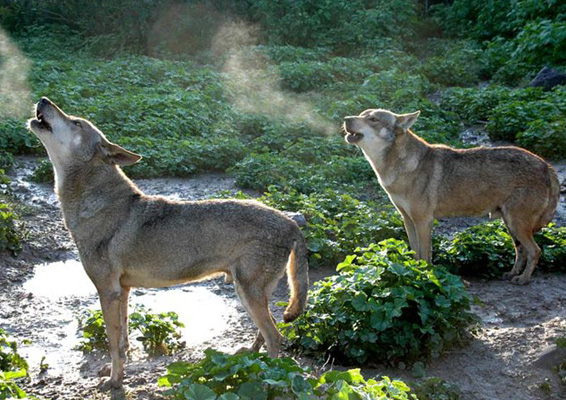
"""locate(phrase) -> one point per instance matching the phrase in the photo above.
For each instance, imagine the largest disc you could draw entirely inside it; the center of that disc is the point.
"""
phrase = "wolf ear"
(115, 155)
(405, 121)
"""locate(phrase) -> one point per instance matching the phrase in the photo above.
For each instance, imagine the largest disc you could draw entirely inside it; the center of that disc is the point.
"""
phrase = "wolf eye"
(77, 123)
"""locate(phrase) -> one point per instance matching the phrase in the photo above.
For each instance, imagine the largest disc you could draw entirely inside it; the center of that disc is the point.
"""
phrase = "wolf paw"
(509, 275)
(243, 350)
(520, 280)
(107, 384)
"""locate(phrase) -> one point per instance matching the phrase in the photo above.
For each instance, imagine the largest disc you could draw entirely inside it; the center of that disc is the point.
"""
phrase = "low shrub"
(383, 306)
(158, 332)
(43, 172)
(528, 117)
(10, 234)
(487, 251)
(342, 25)
(15, 139)
(166, 157)
(254, 376)
(475, 105)
(546, 138)
(453, 63)
(93, 332)
(12, 368)
(436, 389)
(10, 360)
(509, 119)
(543, 41)
(306, 164)
(337, 223)
(316, 75)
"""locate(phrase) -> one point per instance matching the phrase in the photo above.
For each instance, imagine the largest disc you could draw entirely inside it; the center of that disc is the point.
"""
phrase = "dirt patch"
(518, 323)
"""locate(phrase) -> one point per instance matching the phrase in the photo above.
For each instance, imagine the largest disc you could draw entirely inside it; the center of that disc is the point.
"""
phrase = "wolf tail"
(298, 277)
(553, 198)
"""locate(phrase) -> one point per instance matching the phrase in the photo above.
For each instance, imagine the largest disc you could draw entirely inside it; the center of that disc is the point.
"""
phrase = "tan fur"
(426, 181)
(128, 239)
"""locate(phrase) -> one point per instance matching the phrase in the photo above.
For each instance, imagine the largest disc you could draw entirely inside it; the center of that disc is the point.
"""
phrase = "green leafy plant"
(337, 223)
(9, 389)
(220, 376)
(158, 332)
(314, 23)
(43, 172)
(436, 389)
(486, 250)
(453, 63)
(10, 360)
(12, 367)
(384, 306)
(93, 332)
(10, 234)
(545, 137)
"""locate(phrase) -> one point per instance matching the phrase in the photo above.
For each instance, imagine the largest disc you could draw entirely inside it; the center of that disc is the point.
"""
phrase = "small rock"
(550, 357)
(547, 78)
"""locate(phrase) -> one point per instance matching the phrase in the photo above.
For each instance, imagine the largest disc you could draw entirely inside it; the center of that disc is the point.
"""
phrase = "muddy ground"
(519, 324)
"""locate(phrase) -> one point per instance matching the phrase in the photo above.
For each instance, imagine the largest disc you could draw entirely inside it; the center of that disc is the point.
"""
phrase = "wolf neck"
(401, 158)
(88, 192)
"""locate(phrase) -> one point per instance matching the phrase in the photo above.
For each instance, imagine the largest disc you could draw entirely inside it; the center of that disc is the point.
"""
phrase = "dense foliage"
(529, 117)
(521, 35)
(254, 376)
(383, 306)
(337, 223)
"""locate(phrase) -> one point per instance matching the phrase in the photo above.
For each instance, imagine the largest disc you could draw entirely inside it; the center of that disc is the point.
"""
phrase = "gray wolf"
(128, 239)
(427, 181)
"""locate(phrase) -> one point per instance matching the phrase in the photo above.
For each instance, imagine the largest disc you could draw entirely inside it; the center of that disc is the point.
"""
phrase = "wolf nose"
(44, 101)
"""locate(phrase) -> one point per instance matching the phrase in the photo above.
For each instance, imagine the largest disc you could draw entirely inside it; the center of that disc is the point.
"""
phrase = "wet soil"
(44, 289)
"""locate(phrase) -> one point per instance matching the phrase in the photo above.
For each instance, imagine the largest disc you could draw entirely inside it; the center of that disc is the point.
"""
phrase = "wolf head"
(71, 140)
(377, 128)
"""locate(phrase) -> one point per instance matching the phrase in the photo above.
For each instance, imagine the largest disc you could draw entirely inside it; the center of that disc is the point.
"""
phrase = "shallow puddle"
(63, 291)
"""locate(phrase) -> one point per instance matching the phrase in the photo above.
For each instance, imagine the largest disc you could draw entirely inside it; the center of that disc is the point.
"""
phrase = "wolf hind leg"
(520, 259)
(528, 253)
(254, 291)
(259, 341)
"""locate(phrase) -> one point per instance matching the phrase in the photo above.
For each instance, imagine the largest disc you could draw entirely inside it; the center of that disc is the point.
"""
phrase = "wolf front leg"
(411, 231)
(112, 298)
(424, 233)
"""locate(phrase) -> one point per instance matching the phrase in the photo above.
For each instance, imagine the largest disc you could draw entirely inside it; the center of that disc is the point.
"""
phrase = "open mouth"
(43, 124)
(354, 137)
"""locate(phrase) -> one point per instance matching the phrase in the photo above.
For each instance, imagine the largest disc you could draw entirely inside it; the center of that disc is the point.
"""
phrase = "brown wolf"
(427, 181)
(128, 239)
